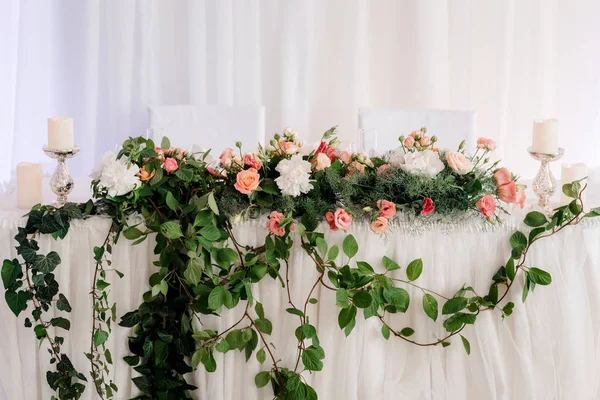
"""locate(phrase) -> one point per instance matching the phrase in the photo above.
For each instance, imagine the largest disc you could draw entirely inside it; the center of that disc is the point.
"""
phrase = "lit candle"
(29, 185)
(545, 136)
(571, 173)
(60, 133)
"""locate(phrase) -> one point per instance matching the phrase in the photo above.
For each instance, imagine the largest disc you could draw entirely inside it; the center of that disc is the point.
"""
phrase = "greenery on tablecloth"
(190, 205)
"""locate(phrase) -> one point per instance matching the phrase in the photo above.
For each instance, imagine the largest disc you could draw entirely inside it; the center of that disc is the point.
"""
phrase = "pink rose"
(321, 161)
(273, 223)
(342, 219)
(346, 157)
(508, 192)
(331, 220)
(179, 153)
(502, 176)
(324, 148)
(487, 205)
(214, 172)
(288, 148)
(428, 206)
(416, 134)
(170, 165)
(252, 161)
(458, 162)
(160, 153)
(425, 140)
(409, 142)
(521, 197)
(487, 144)
(379, 226)
(247, 181)
(383, 168)
(387, 209)
(226, 157)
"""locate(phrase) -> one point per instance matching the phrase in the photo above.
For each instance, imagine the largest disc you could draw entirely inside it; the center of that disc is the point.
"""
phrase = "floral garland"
(190, 203)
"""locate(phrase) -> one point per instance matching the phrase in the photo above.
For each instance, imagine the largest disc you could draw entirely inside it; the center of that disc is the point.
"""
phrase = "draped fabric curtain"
(311, 63)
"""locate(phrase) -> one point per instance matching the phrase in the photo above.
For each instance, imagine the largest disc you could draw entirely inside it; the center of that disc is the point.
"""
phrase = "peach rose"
(273, 223)
(342, 219)
(170, 165)
(508, 192)
(289, 148)
(251, 161)
(226, 157)
(321, 161)
(247, 181)
(331, 220)
(409, 142)
(487, 144)
(458, 162)
(379, 226)
(487, 205)
(144, 175)
(387, 209)
(428, 206)
(416, 134)
(502, 176)
(425, 140)
(521, 197)
(346, 157)
(383, 168)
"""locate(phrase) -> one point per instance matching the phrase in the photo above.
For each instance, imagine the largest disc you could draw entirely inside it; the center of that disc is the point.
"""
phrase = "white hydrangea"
(294, 176)
(426, 163)
(116, 176)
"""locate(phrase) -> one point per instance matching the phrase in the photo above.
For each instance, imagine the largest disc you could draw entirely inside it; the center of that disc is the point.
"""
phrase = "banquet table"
(548, 349)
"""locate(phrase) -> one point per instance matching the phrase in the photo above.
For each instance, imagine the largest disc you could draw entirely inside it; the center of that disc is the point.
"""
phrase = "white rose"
(458, 162)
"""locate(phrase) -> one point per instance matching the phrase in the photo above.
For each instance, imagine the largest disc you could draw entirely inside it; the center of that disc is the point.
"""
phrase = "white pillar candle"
(571, 173)
(60, 133)
(29, 185)
(545, 136)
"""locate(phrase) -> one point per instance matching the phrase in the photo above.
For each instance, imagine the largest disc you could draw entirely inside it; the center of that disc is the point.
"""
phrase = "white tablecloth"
(548, 349)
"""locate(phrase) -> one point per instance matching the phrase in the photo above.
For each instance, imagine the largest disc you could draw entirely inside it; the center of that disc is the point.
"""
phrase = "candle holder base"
(544, 183)
(61, 182)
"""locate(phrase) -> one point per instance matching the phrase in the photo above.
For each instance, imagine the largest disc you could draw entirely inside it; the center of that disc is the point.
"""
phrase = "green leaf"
(40, 331)
(204, 334)
(262, 378)
(261, 356)
(269, 186)
(17, 302)
(165, 143)
(47, 263)
(161, 351)
(526, 288)
(264, 325)
(518, 241)
(209, 362)
(312, 300)
(132, 233)
(259, 310)
(311, 358)
(108, 356)
(212, 204)
(430, 306)
(341, 298)
(362, 299)
(510, 269)
(508, 308)
(197, 357)
(321, 245)
(100, 337)
(385, 331)
(130, 319)
(158, 175)
(193, 272)
(346, 316)
(350, 246)
(407, 332)
(295, 311)
(397, 297)
(333, 252)
(222, 346)
(390, 264)
(571, 189)
(210, 233)
(185, 175)
(171, 230)
(10, 272)
(217, 298)
(466, 344)
(101, 285)
(454, 305)
(171, 201)
(132, 360)
(61, 323)
(539, 276)
(414, 269)
(535, 219)
(62, 303)
(364, 268)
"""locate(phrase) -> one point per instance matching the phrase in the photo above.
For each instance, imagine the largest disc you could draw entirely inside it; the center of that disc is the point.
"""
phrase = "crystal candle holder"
(544, 183)
(61, 182)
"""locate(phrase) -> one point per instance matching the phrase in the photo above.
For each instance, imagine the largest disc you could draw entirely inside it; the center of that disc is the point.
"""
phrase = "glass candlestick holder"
(544, 183)
(61, 182)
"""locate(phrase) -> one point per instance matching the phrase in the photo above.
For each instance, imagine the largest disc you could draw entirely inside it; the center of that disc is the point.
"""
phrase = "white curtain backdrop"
(311, 63)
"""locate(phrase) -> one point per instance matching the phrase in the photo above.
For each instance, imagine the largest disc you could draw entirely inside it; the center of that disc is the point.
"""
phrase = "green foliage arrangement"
(189, 208)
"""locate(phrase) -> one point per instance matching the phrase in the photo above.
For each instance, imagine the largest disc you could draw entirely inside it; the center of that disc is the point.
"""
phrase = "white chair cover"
(450, 127)
(208, 126)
